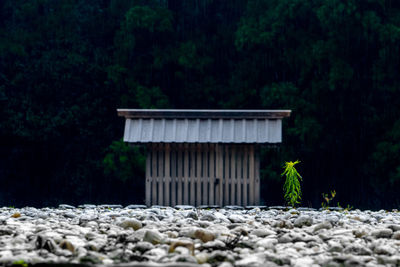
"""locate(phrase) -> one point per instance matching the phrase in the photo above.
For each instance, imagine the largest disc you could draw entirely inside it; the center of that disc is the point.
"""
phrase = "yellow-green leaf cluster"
(291, 187)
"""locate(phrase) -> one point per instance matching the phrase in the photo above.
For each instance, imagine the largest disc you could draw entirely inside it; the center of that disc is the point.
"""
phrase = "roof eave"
(202, 114)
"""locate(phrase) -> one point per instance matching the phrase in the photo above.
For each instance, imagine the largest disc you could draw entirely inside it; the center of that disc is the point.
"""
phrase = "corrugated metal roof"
(139, 130)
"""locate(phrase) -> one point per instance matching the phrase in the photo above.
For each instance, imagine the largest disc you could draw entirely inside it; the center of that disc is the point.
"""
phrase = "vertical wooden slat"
(154, 175)
(257, 178)
(245, 175)
(160, 177)
(233, 176)
(198, 175)
(212, 174)
(226, 178)
(148, 177)
(167, 183)
(239, 176)
(192, 174)
(204, 176)
(219, 174)
(173, 175)
(251, 175)
(180, 175)
(186, 176)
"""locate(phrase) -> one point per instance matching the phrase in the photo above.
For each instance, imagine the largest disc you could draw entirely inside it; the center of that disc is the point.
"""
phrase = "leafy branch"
(291, 187)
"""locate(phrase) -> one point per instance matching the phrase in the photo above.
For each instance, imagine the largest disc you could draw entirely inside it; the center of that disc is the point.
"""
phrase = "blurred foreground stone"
(111, 235)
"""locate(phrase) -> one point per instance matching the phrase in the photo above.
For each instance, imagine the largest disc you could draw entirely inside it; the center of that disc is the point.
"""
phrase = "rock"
(172, 234)
(220, 256)
(87, 206)
(6, 231)
(250, 260)
(305, 209)
(278, 208)
(204, 235)
(216, 244)
(303, 220)
(235, 237)
(152, 236)
(94, 235)
(334, 246)
(156, 209)
(267, 243)
(286, 238)
(302, 262)
(222, 217)
(382, 233)
(76, 241)
(90, 260)
(87, 217)
(201, 257)
(356, 249)
(333, 219)
(324, 225)
(45, 243)
(16, 215)
(131, 223)
(69, 215)
(209, 207)
(208, 217)
(278, 259)
(184, 207)
(155, 253)
(233, 207)
(143, 246)
(396, 235)
(184, 258)
(92, 224)
(65, 244)
(292, 212)
(65, 206)
(96, 245)
(192, 215)
(283, 224)
(6, 254)
(388, 260)
(394, 227)
(226, 264)
(181, 243)
(136, 207)
(385, 249)
(359, 233)
(110, 206)
(262, 232)
(236, 218)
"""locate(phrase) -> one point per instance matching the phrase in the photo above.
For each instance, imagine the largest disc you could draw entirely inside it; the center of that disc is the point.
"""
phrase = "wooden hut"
(203, 157)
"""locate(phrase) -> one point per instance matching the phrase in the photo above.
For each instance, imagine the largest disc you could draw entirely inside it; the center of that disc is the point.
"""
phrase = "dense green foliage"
(292, 187)
(65, 66)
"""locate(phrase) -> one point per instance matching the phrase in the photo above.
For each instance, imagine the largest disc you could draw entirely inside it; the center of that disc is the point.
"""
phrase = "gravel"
(185, 236)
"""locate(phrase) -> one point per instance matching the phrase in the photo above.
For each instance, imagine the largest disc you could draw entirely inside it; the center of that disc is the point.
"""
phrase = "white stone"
(262, 232)
(267, 243)
(302, 262)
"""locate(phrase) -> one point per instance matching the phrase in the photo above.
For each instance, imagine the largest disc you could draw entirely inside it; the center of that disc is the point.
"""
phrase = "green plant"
(347, 208)
(21, 263)
(291, 187)
(327, 199)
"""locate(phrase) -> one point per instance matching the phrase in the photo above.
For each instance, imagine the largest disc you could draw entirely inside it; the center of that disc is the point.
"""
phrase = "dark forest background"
(66, 66)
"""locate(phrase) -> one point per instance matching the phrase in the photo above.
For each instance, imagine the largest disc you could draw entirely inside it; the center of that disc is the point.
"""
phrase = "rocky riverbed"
(185, 236)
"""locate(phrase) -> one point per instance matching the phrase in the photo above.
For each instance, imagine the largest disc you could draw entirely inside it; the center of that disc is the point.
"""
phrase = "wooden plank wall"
(202, 174)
